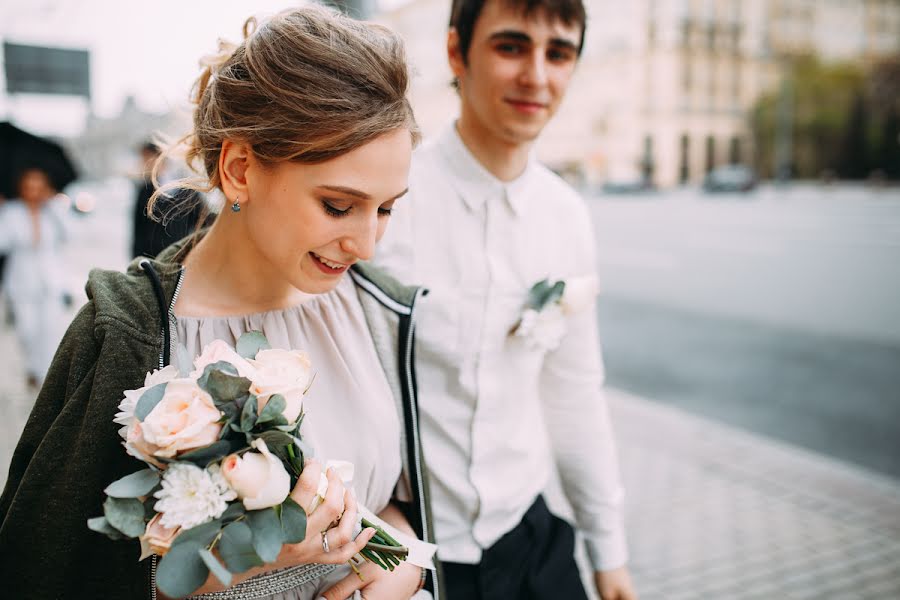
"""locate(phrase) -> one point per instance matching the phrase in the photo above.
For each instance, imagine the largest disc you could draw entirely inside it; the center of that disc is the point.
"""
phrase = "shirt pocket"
(438, 327)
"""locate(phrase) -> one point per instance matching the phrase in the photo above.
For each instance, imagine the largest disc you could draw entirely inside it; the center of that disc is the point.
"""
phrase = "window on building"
(684, 171)
(710, 153)
(647, 162)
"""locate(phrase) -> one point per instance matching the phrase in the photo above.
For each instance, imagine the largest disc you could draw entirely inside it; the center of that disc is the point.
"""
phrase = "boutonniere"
(542, 323)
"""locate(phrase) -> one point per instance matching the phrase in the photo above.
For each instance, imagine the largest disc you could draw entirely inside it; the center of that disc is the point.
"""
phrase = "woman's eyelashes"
(336, 212)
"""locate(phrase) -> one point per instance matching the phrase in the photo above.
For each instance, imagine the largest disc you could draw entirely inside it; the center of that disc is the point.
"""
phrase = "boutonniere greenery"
(542, 323)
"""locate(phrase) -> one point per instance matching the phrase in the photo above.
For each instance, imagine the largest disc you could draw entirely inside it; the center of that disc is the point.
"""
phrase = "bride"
(305, 129)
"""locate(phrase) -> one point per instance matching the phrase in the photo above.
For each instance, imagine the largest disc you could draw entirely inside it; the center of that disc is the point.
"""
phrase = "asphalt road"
(777, 313)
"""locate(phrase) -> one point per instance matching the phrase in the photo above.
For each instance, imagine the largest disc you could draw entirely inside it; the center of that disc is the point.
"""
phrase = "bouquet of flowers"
(223, 452)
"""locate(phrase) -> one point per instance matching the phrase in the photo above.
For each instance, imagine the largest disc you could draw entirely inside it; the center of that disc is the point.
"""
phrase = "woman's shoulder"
(375, 281)
(124, 300)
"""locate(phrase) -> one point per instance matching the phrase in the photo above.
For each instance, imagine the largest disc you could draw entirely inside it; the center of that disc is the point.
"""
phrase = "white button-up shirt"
(487, 399)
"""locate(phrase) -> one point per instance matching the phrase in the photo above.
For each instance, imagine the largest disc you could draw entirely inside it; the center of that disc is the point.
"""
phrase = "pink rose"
(259, 478)
(216, 351)
(157, 538)
(185, 419)
(285, 372)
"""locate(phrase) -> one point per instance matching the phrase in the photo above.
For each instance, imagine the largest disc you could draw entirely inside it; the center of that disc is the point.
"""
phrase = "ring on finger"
(325, 541)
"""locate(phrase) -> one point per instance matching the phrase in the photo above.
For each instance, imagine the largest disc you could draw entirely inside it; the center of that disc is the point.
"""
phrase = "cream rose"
(259, 478)
(285, 372)
(125, 416)
(157, 539)
(579, 294)
(186, 418)
(219, 350)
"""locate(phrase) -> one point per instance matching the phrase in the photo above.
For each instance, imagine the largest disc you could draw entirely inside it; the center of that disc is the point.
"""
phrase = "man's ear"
(454, 54)
(234, 161)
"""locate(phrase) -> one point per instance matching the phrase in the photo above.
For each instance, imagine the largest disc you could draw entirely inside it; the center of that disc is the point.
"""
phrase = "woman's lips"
(318, 261)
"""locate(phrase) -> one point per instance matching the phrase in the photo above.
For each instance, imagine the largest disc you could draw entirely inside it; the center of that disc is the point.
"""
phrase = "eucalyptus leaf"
(212, 453)
(248, 415)
(126, 515)
(234, 510)
(200, 536)
(293, 522)
(224, 387)
(267, 535)
(236, 548)
(250, 343)
(556, 292)
(134, 485)
(149, 400)
(536, 294)
(273, 409)
(182, 570)
(215, 567)
(101, 525)
(222, 365)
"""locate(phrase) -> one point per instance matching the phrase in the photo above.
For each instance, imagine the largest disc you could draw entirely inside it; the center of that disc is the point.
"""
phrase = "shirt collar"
(476, 184)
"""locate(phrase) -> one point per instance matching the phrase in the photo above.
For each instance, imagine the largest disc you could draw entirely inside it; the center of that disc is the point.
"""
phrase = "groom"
(500, 410)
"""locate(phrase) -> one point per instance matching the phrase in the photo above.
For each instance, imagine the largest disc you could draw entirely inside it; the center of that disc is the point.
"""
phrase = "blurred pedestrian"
(32, 232)
(485, 226)
(175, 215)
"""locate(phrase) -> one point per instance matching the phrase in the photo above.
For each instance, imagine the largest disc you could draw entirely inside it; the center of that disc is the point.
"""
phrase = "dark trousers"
(534, 561)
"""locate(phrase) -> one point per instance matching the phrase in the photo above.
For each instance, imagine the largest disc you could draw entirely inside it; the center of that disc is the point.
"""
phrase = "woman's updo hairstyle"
(306, 85)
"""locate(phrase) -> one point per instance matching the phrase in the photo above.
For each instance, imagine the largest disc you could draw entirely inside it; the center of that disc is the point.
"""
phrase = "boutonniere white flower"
(542, 323)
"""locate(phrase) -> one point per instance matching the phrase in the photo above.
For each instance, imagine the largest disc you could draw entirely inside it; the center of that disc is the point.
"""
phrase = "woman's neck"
(226, 274)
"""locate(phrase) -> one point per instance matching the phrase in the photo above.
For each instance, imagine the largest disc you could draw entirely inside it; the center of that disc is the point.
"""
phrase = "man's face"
(517, 71)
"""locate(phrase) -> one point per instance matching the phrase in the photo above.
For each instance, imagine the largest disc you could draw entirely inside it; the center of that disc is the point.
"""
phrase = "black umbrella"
(20, 151)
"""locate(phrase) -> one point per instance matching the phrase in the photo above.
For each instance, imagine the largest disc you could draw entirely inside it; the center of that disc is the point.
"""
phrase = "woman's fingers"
(305, 490)
(331, 508)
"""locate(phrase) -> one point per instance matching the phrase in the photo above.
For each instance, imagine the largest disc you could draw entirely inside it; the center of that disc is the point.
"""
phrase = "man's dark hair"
(464, 14)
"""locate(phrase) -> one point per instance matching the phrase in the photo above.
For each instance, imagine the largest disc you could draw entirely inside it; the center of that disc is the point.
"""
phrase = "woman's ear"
(234, 160)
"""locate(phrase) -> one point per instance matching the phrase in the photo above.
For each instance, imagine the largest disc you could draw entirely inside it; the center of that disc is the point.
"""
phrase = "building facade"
(664, 89)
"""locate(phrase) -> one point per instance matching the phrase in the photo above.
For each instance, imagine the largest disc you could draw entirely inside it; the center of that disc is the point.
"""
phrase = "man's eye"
(509, 48)
(559, 55)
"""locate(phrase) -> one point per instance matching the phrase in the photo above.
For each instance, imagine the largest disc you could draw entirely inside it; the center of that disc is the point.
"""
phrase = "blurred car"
(730, 178)
(630, 186)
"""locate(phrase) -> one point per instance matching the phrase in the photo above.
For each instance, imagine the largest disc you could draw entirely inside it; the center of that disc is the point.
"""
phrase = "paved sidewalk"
(713, 513)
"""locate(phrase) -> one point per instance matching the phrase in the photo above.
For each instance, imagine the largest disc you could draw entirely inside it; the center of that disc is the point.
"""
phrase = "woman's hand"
(338, 505)
(378, 584)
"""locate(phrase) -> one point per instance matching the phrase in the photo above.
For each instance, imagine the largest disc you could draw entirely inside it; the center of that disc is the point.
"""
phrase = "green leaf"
(250, 343)
(556, 292)
(234, 510)
(277, 441)
(236, 548)
(101, 525)
(536, 294)
(199, 536)
(273, 409)
(126, 515)
(222, 365)
(149, 400)
(182, 570)
(225, 388)
(248, 415)
(267, 536)
(134, 485)
(212, 453)
(293, 522)
(213, 564)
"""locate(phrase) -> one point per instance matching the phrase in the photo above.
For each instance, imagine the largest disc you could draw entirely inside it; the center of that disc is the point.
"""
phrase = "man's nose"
(534, 70)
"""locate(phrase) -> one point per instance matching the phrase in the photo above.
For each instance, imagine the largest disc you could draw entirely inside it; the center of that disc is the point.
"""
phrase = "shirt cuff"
(607, 552)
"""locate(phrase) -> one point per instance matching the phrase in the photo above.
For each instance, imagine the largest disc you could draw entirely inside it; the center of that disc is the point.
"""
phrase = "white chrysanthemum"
(191, 496)
(544, 329)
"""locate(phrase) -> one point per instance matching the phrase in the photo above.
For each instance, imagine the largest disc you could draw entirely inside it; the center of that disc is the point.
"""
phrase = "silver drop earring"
(236, 206)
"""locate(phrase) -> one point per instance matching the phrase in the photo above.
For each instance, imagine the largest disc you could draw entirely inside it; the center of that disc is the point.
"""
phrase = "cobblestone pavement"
(713, 512)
